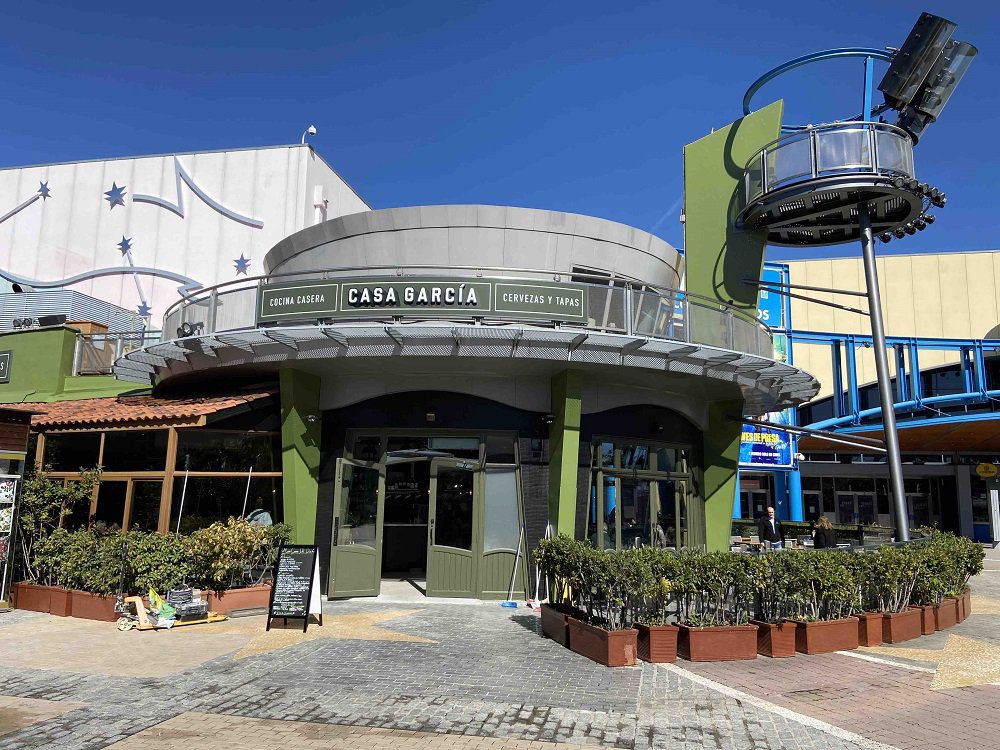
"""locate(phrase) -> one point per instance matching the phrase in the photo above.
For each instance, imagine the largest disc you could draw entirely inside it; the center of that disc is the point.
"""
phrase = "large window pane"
(358, 506)
(453, 509)
(145, 514)
(135, 450)
(211, 499)
(502, 525)
(72, 451)
(228, 451)
(110, 504)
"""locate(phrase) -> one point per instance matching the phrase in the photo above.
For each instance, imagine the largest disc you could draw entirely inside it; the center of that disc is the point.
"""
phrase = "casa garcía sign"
(448, 296)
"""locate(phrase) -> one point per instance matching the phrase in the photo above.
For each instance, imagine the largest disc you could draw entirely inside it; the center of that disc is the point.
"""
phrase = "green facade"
(41, 369)
(718, 257)
(300, 452)
(564, 449)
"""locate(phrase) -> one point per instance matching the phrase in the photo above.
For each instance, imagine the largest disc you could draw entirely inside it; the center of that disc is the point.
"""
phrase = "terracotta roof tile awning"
(136, 411)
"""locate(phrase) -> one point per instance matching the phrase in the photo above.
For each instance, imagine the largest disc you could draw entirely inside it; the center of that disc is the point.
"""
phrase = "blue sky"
(580, 106)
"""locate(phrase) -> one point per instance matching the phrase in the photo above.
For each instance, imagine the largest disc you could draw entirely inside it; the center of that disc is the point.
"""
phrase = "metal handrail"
(398, 269)
(815, 134)
(752, 336)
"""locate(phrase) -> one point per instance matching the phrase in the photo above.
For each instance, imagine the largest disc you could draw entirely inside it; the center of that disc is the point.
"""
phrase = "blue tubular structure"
(868, 53)
(910, 395)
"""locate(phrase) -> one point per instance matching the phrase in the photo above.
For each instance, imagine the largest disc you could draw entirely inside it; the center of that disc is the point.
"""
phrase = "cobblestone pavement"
(381, 676)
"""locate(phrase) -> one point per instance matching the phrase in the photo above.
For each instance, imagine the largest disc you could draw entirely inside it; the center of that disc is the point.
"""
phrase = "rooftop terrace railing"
(617, 306)
(96, 353)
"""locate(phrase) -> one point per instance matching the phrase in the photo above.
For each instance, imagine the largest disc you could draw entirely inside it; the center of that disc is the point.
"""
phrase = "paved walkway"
(385, 675)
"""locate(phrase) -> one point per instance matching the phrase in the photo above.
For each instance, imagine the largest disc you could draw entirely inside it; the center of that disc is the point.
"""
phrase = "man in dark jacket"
(770, 531)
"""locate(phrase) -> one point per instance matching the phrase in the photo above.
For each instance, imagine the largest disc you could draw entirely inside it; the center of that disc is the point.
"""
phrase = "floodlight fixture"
(910, 229)
(925, 72)
(929, 218)
(886, 237)
(900, 234)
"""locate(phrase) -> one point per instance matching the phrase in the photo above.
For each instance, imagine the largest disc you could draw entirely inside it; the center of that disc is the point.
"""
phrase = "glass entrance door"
(454, 546)
(358, 509)
(670, 506)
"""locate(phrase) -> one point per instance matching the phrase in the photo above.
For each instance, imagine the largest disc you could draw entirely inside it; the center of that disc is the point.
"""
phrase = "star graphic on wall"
(242, 264)
(144, 310)
(116, 195)
(43, 190)
(125, 245)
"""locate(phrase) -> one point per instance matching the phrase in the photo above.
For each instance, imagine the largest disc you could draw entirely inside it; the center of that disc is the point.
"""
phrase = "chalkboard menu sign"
(295, 592)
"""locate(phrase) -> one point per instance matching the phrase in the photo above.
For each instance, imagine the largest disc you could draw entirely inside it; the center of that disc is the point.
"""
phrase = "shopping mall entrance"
(432, 511)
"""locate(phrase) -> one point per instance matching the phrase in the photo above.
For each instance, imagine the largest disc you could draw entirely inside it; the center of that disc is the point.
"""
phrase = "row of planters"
(80, 573)
(656, 604)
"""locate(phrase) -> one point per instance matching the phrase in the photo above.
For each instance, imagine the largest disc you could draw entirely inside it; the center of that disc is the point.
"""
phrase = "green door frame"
(448, 567)
(681, 481)
(355, 567)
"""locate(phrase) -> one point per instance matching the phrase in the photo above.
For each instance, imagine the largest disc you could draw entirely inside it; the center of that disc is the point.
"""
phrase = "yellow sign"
(986, 471)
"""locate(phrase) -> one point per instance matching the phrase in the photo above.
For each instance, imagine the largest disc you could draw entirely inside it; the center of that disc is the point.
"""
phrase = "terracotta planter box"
(946, 614)
(554, 624)
(612, 648)
(967, 598)
(826, 636)
(870, 629)
(926, 617)
(775, 639)
(93, 607)
(32, 597)
(61, 601)
(723, 643)
(901, 626)
(961, 607)
(657, 643)
(251, 597)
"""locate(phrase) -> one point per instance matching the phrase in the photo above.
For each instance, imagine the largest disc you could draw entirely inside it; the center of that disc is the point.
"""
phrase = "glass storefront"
(640, 495)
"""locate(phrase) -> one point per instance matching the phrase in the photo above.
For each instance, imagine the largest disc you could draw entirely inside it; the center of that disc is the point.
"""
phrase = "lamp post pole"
(882, 374)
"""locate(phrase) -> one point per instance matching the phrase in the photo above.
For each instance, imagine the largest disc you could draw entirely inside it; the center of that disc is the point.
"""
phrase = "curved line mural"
(188, 284)
(178, 208)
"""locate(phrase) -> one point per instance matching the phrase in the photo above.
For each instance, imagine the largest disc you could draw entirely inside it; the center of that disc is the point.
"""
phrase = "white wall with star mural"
(132, 231)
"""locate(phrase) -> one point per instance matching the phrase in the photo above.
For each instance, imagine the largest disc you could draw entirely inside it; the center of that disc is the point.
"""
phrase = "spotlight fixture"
(929, 218)
(910, 229)
(920, 224)
(885, 237)
(925, 72)
(900, 234)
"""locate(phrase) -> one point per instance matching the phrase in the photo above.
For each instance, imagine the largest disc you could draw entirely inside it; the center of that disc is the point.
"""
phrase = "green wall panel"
(300, 452)
(721, 449)
(717, 257)
(564, 450)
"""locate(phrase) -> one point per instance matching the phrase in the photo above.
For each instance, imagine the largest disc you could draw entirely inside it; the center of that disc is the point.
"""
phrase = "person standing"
(824, 537)
(770, 531)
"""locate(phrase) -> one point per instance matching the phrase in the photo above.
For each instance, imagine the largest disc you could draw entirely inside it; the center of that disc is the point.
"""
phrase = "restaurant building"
(422, 392)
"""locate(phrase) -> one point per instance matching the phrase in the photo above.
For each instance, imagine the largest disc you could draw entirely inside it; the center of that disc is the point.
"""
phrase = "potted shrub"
(558, 558)
(715, 598)
(44, 507)
(893, 574)
(610, 585)
(772, 582)
(826, 596)
(868, 614)
(657, 639)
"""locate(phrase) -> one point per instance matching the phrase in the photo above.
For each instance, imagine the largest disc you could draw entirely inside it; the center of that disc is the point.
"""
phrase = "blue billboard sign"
(765, 447)
(771, 306)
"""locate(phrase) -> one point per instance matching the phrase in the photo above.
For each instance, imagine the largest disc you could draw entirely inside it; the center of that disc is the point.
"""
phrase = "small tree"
(45, 504)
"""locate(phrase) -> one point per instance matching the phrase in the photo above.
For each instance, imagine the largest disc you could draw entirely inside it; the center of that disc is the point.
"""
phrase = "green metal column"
(300, 450)
(721, 450)
(564, 450)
